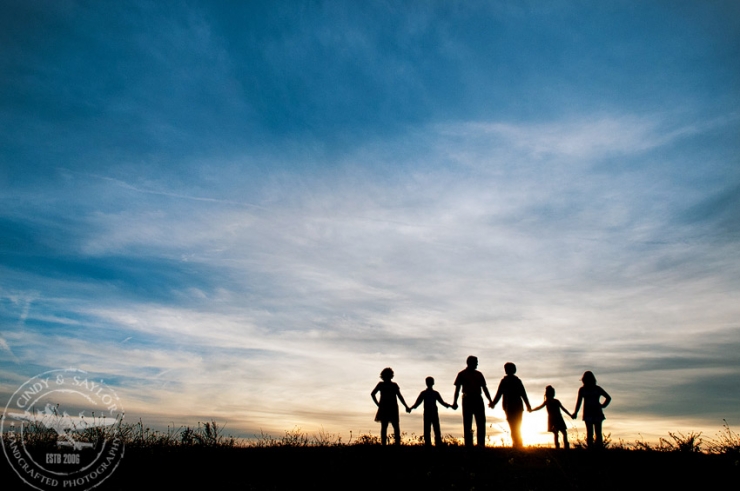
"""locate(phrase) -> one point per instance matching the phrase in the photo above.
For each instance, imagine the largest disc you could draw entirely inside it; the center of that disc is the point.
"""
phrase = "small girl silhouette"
(388, 405)
(590, 394)
(555, 422)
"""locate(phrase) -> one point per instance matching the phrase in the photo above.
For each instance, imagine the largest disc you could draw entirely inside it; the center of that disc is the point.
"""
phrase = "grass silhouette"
(205, 457)
(212, 434)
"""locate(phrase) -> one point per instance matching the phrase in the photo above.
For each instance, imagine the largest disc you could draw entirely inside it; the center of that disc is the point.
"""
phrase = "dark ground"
(410, 468)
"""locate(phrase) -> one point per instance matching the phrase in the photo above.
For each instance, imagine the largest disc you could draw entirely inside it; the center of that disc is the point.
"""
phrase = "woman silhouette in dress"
(590, 395)
(390, 393)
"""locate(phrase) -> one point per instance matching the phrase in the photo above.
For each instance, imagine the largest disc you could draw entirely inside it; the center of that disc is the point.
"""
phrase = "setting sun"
(533, 430)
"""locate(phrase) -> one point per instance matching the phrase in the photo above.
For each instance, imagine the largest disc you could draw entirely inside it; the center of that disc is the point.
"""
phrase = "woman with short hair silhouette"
(515, 397)
(390, 393)
(590, 394)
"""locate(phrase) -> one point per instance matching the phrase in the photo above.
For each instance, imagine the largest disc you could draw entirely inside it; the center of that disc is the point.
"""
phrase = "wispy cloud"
(248, 214)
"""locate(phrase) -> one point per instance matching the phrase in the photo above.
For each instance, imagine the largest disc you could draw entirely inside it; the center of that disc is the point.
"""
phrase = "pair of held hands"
(455, 406)
(575, 415)
(452, 406)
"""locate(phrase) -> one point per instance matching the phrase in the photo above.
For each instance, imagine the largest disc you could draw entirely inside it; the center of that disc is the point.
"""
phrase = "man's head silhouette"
(509, 368)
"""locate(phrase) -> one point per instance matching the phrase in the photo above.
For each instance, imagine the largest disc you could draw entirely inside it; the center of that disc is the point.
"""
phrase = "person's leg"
(427, 429)
(599, 439)
(467, 423)
(396, 432)
(437, 432)
(383, 432)
(589, 434)
(480, 423)
(566, 445)
(515, 425)
(557, 440)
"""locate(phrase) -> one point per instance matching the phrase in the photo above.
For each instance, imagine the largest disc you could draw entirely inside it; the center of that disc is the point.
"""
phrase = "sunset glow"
(243, 212)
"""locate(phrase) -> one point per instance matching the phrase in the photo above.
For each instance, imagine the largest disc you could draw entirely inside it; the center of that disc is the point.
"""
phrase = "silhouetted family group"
(471, 383)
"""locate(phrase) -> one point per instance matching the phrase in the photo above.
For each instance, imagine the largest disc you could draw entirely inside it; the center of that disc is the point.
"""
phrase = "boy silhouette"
(512, 390)
(472, 382)
(430, 397)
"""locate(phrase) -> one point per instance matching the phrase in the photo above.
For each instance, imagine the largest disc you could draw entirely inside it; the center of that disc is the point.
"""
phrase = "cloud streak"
(249, 224)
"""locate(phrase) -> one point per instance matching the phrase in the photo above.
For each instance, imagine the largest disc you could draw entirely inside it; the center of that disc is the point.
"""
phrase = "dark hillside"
(412, 468)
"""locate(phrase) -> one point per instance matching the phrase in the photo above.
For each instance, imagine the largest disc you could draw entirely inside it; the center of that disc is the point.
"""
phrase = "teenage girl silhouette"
(388, 405)
(590, 394)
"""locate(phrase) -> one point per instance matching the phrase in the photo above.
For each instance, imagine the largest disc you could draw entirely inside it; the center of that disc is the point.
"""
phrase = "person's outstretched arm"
(564, 410)
(538, 407)
(454, 399)
(524, 396)
(488, 395)
(578, 403)
(418, 401)
(402, 401)
(499, 393)
(439, 399)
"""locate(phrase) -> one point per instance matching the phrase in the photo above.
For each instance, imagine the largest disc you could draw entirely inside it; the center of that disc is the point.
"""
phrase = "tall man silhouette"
(472, 382)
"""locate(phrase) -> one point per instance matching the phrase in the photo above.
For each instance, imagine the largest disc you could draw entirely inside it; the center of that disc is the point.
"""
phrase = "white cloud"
(304, 295)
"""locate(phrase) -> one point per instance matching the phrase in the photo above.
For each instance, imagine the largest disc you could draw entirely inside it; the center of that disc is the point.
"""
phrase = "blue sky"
(243, 212)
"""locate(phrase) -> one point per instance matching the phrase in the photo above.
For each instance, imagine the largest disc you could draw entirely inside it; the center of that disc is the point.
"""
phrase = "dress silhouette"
(555, 421)
(593, 415)
(390, 393)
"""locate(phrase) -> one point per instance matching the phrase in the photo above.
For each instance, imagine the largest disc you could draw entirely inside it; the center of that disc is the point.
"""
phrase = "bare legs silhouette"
(390, 394)
(590, 395)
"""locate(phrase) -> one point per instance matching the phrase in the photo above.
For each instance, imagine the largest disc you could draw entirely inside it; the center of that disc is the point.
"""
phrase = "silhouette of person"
(512, 390)
(472, 382)
(590, 394)
(555, 422)
(430, 397)
(388, 405)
